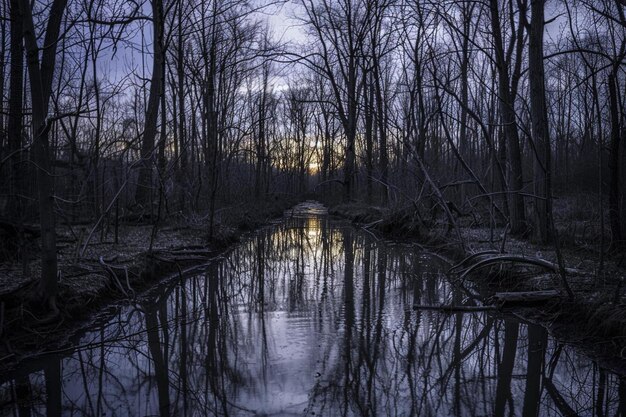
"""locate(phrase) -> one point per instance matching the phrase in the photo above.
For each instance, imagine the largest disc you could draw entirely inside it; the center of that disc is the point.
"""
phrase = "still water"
(312, 317)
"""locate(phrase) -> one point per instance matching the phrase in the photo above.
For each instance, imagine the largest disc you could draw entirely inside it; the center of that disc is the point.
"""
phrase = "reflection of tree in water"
(313, 317)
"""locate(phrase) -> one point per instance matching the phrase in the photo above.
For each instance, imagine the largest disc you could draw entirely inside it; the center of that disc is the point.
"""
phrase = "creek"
(312, 316)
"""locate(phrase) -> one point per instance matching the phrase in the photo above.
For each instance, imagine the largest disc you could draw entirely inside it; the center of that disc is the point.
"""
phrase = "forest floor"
(103, 271)
(594, 319)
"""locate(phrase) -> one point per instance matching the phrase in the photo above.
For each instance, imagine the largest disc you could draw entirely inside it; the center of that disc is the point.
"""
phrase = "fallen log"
(453, 308)
(196, 252)
(511, 299)
(180, 259)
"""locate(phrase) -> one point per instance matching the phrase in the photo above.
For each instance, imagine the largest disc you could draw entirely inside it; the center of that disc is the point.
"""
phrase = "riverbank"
(96, 270)
(594, 319)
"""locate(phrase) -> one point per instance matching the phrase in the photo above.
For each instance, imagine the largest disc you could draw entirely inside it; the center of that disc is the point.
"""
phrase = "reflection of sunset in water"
(313, 227)
(312, 317)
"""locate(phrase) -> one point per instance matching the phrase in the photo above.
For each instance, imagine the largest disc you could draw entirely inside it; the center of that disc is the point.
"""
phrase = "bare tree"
(14, 131)
(157, 85)
(339, 30)
(41, 72)
(506, 98)
(540, 129)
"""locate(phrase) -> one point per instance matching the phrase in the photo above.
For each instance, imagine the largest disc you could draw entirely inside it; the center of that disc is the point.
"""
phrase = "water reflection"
(312, 317)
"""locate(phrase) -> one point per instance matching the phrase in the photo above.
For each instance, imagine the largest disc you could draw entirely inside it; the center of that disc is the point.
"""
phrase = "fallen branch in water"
(178, 259)
(182, 255)
(497, 302)
(453, 308)
(510, 299)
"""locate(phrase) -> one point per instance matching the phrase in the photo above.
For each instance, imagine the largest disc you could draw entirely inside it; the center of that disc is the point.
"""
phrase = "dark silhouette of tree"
(41, 74)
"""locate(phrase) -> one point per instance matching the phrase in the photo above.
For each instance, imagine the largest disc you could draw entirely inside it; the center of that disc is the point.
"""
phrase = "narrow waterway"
(312, 316)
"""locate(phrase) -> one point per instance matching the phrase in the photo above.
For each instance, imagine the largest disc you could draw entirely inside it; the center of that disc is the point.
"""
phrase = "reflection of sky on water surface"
(312, 316)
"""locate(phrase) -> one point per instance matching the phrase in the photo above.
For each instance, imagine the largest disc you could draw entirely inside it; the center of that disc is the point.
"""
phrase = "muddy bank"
(594, 319)
(105, 271)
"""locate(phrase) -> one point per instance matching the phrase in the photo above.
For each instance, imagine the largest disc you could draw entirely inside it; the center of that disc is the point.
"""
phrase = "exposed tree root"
(130, 293)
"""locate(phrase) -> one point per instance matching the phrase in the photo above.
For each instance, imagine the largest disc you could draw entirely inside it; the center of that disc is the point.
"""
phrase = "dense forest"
(504, 114)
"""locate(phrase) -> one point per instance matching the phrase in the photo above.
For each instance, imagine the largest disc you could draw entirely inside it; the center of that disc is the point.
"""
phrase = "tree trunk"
(614, 165)
(40, 86)
(350, 129)
(212, 132)
(517, 216)
(3, 58)
(465, 61)
(182, 142)
(382, 131)
(14, 131)
(261, 148)
(144, 182)
(368, 95)
(539, 118)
